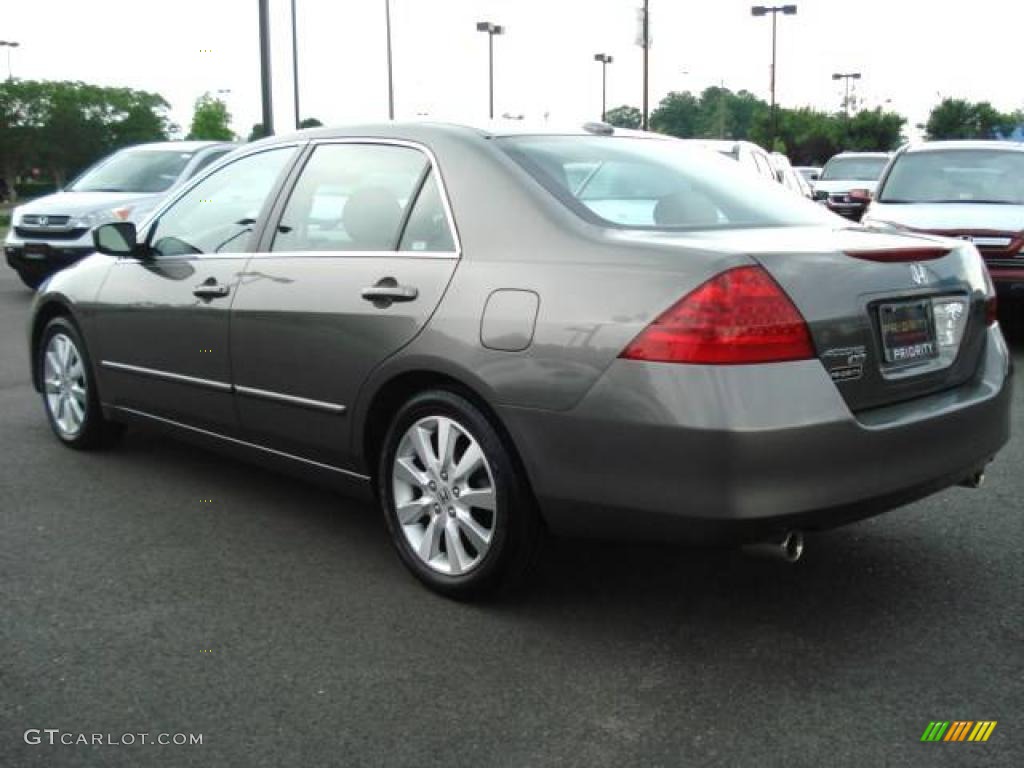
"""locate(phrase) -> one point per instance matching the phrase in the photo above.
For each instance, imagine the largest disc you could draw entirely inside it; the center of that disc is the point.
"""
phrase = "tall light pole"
(645, 38)
(9, 44)
(605, 60)
(391, 85)
(268, 106)
(295, 65)
(491, 30)
(847, 76)
(774, 10)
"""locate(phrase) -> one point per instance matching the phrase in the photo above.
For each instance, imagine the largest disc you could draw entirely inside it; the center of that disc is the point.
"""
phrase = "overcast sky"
(909, 51)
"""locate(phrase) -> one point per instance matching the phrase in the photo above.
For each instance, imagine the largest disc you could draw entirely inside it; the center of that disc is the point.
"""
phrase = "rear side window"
(354, 197)
(656, 184)
(427, 229)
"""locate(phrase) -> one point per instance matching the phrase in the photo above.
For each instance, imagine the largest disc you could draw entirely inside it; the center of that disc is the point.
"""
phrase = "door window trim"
(265, 241)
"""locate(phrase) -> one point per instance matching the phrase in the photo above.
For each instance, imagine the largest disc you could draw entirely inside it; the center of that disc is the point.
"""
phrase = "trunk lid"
(874, 305)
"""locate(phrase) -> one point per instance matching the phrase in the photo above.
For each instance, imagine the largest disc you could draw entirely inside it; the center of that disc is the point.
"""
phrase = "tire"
(65, 373)
(32, 281)
(426, 508)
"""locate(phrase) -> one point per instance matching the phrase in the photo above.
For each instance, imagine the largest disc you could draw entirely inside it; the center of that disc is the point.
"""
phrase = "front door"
(163, 318)
(357, 263)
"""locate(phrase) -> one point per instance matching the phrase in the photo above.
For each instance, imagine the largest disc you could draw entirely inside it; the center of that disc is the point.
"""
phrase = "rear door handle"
(211, 289)
(387, 290)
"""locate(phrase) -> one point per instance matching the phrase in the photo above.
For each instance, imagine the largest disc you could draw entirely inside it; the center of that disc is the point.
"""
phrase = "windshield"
(134, 171)
(956, 176)
(655, 184)
(854, 168)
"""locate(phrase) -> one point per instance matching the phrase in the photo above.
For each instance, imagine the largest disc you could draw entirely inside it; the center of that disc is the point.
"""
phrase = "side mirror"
(116, 239)
(860, 195)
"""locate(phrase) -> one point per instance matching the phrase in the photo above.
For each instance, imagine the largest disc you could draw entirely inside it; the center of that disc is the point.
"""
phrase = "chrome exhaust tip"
(973, 481)
(789, 547)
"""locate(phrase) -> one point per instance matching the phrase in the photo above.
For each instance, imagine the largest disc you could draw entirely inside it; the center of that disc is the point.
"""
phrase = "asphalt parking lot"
(274, 620)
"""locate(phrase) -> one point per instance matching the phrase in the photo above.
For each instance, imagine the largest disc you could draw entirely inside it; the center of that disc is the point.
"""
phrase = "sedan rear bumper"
(742, 452)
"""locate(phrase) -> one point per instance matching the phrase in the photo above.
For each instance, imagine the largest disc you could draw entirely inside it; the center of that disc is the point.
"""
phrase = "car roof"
(879, 155)
(426, 130)
(985, 144)
(179, 146)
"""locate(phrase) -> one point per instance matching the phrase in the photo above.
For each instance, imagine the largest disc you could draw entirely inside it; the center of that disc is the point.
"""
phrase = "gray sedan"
(498, 334)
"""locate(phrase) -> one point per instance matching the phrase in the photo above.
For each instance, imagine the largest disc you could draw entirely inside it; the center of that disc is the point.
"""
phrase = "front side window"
(353, 197)
(134, 170)
(956, 176)
(656, 184)
(206, 162)
(218, 215)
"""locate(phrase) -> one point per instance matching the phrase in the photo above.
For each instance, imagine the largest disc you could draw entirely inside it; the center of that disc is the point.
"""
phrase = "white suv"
(52, 232)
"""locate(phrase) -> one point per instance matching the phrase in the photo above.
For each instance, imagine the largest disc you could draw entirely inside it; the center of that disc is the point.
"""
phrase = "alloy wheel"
(444, 494)
(65, 385)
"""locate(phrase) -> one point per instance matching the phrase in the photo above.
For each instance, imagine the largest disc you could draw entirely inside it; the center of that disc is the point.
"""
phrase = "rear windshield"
(854, 168)
(638, 183)
(956, 176)
(134, 171)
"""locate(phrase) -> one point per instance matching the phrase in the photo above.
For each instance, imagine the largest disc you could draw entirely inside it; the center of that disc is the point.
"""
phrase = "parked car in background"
(496, 332)
(848, 180)
(746, 153)
(52, 232)
(787, 176)
(810, 172)
(972, 190)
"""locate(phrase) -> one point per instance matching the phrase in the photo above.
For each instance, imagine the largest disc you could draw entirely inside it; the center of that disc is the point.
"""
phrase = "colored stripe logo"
(958, 730)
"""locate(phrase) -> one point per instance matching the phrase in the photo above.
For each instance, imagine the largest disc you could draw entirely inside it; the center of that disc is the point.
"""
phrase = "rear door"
(163, 319)
(361, 254)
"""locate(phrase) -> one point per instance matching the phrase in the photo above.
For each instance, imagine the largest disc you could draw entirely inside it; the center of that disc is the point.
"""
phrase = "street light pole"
(268, 106)
(491, 30)
(295, 66)
(9, 44)
(774, 10)
(647, 48)
(847, 76)
(391, 86)
(605, 60)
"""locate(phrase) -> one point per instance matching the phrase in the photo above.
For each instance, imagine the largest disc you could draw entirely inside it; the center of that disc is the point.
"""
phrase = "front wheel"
(457, 508)
(69, 388)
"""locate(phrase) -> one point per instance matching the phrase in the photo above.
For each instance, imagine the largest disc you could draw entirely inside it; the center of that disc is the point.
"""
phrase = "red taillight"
(991, 310)
(739, 316)
(900, 254)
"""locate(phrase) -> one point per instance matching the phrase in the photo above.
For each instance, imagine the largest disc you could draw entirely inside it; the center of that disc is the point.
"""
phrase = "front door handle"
(387, 290)
(211, 289)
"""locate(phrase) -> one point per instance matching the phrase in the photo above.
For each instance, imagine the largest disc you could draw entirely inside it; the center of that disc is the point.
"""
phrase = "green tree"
(624, 117)
(962, 119)
(678, 114)
(63, 127)
(211, 120)
(258, 132)
(310, 122)
(874, 131)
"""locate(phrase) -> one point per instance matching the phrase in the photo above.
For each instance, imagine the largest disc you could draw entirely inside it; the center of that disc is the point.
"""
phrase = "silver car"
(498, 334)
(848, 180)
(973, 190)
(51, 232)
